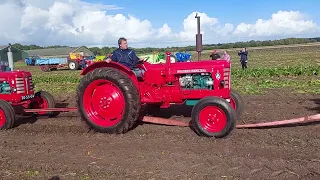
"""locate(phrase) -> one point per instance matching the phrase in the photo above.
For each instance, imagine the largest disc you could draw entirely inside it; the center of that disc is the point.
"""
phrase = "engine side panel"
(177, 82)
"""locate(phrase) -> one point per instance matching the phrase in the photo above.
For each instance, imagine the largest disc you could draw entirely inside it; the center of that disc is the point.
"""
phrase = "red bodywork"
(21, 93)
(160, 83)
(21, 86)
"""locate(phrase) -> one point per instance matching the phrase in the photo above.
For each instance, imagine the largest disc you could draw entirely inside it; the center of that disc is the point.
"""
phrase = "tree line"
(252, 43)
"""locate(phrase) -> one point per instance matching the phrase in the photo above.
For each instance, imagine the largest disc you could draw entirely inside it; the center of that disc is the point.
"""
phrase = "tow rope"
(173, 122)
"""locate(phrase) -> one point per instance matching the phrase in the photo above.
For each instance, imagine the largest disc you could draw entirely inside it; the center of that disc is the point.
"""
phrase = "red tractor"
(17, 97)
(111, 96)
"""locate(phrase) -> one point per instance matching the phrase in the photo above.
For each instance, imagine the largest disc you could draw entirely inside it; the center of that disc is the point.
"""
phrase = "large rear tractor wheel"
(108, 101)
(236, 102)
(7, 115)
(213, 117)
(44, 100)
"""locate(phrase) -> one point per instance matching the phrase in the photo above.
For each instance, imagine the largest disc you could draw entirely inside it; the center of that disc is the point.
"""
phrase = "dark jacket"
(215, 56)
(243, 56)
(126, 57)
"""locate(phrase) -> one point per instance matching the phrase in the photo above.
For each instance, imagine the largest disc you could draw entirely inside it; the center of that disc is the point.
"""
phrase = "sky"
(147, 23)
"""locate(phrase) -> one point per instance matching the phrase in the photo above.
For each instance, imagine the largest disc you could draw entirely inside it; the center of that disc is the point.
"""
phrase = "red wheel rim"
(3, 118)
(104, 103)
(233, 103)
(41, 103)
(212, 119)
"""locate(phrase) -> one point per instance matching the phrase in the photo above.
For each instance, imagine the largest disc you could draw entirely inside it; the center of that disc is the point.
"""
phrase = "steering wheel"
(144, 60)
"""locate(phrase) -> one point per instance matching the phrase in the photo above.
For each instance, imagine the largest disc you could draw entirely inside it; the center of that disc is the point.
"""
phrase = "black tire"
(45, 68)
(217, 102)
(73, 65)
(238, 101)
(51, 102)
(9, 114)
(129, 91)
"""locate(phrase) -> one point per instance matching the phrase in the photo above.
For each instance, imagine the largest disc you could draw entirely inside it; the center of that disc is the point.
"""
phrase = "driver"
(126, 57)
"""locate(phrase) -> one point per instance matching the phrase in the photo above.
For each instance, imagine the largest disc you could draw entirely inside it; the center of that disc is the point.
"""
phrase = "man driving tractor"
(126, 57)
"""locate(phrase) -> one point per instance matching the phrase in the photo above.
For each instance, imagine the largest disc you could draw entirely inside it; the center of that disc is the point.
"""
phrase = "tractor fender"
(114, 65)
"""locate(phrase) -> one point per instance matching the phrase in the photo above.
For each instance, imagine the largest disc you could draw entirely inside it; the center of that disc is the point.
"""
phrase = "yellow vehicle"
(99, 58)
(157, 57)
(76, 55)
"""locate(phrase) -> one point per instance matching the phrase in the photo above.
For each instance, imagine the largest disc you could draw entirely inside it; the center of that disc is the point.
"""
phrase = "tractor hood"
(13, 74)
(198, 67)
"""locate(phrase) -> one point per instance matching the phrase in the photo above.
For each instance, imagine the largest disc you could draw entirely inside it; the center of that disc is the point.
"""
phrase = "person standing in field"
(214, 55)
(243, 57)
(226, 56)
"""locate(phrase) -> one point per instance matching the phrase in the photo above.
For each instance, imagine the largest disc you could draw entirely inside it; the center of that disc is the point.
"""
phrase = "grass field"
(295, 67)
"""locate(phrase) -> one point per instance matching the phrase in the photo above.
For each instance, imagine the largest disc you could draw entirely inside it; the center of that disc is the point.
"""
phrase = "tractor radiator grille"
(24, 84)
(226, 77)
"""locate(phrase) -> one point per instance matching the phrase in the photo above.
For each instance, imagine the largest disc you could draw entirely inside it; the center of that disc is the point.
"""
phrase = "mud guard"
(114, 65)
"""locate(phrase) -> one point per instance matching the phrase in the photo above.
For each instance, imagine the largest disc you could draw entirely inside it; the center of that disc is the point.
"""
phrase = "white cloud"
(281, 23)
(165, 30)
(73, 22)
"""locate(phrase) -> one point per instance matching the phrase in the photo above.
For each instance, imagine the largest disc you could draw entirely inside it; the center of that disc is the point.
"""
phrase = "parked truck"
(72, 62)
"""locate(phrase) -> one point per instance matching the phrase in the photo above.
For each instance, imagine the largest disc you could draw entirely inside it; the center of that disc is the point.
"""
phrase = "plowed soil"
(65, 148)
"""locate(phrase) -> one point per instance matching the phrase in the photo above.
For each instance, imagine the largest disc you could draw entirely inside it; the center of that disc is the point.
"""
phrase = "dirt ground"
(64, 148)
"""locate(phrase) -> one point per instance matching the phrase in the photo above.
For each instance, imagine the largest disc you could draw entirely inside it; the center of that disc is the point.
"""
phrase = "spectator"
(225, 56)
(243, 57)
(214, 55)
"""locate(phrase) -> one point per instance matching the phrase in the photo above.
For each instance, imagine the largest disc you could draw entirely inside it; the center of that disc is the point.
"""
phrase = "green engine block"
(5, 88)
(196, 81)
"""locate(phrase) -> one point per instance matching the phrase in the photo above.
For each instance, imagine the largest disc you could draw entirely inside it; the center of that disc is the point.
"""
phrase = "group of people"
(242, 53)
(128, 57)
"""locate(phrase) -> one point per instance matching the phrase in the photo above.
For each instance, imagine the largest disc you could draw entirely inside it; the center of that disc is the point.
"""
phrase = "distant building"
(59, 52)
(16, 53)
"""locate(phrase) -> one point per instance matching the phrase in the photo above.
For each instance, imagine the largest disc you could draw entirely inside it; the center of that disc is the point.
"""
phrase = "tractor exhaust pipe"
(10, 58)
(198, 38)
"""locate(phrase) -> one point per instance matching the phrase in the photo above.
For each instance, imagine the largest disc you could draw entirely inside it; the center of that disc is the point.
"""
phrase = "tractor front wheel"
(44, 100)
(7, 115)
(213, 117)
(236, 102)
(108, 101)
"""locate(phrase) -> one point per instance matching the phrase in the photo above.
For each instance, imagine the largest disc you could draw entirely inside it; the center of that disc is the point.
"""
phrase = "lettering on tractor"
(191, 71)
(30, 96)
